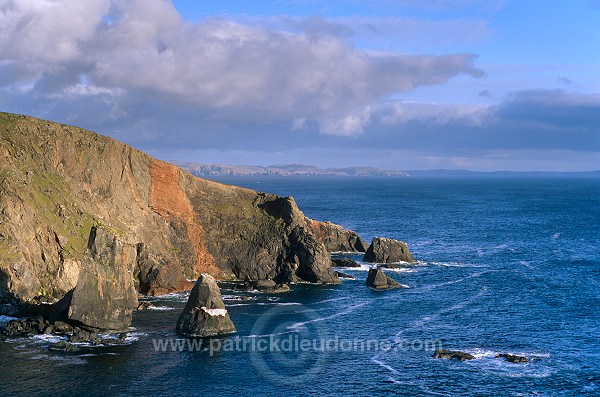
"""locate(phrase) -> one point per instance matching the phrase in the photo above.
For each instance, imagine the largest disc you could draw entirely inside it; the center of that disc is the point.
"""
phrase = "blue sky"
(406, 84)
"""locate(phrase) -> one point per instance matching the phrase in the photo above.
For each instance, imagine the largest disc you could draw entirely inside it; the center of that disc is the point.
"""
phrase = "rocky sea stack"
(387, 250)
(205, 314)
(377, 279)
(81, 213)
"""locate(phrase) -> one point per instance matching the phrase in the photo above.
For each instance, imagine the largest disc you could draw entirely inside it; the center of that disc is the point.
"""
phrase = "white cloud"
(141, 51)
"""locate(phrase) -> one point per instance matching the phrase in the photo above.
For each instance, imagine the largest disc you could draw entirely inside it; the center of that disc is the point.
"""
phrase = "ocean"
(506, 265)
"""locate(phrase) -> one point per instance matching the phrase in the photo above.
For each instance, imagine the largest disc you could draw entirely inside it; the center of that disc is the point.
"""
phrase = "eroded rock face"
(387, 250)
(57, 182)
(336, 238)
(377, 279)
(204, 314)
(104, 297)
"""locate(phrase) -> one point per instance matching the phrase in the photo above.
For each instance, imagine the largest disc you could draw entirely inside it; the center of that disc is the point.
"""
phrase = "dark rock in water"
(377, 279)
(61, 327)
(145, 305)
(205, 314)
(82, 335)
(453, 355)
(344, 275)
(25, 327)
(62, 346)
(336, 238)
(105, 296)
(396, 266)
(387, 250)
(344, 262)
(267, 286)
(511, 358)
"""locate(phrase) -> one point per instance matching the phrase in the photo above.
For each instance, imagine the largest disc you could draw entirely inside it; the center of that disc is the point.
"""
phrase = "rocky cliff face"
(57, 182)
(336, 238)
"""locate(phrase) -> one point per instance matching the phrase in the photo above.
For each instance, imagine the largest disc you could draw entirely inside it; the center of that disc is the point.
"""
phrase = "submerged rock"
(387, 250)
(453, 355)
(511, 358)
(377, 279)
(344, 262)
(205, 314)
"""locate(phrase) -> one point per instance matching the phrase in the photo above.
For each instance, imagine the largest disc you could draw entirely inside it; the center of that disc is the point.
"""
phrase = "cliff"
(58, 183)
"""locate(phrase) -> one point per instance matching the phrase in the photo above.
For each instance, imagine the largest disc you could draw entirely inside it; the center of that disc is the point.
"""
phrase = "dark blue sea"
(506, 265)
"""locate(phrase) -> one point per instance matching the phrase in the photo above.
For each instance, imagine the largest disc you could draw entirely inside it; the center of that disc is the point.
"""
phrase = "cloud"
(121, 57)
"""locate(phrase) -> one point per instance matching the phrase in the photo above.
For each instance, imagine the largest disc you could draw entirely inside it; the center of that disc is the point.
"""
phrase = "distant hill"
(204, 170)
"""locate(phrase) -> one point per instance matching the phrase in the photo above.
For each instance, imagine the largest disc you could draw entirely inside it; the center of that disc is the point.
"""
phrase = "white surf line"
(460, 280)
(350, 309)
(294, 327)
(378, 358)
(330, 300)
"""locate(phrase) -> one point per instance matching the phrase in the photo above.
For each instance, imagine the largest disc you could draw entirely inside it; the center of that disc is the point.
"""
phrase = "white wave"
(161, 308)
(457, 264)
(460, 280)
(238, 297)
(277, 303)
(299, 325)
(51, 338)
(176, 296)
(332, 300)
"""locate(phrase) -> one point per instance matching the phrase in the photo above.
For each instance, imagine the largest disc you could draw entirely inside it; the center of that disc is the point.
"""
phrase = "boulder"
(453, 355)
(387, 250)
(145, 306)
(267, 286)
(344, 262)
(377, 279)
(511, 358)
(336, 238)
(204, 314)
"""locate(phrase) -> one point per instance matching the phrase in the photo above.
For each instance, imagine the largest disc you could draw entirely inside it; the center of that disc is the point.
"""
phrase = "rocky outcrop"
(512, 358)
(344, 262)
(377, 279)
(267, 286)
(344, 275)
(104, 297)
(336, 238)
(58, 182)
(453, 355)
(205, 314)
(387, 250)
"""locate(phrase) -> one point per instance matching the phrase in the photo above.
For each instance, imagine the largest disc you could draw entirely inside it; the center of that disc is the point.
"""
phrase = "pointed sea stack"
(377, 279)
(205, 314)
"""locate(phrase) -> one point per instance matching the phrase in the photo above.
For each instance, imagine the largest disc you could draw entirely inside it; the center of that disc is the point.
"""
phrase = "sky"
(406, 84)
